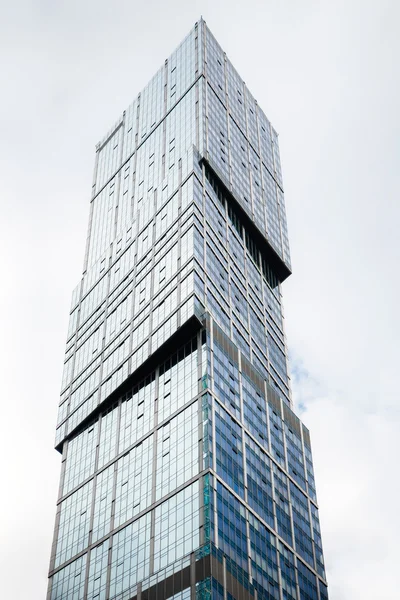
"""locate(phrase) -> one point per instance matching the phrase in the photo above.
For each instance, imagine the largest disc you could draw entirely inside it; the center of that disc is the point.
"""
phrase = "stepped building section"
(185, 472)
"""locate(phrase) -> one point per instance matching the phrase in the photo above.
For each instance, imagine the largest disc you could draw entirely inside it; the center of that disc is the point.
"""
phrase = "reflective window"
(103, 503)
(68, 583)
(97, 579)
(130, 558)
(232, 538)
(81, 455)
(176, 527)
(73, 530)
(177, 451)
(134, 482)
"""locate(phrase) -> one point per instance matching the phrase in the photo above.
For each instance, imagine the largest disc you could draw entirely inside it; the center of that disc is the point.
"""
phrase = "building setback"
(185, 472)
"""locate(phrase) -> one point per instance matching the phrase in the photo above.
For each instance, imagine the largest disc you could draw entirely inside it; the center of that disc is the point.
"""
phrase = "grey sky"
(327, 75)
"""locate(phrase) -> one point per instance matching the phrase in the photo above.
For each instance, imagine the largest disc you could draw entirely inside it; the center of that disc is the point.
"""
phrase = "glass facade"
(185, 472)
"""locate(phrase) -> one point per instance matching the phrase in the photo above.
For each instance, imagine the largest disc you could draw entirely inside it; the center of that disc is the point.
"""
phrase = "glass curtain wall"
(185, 472)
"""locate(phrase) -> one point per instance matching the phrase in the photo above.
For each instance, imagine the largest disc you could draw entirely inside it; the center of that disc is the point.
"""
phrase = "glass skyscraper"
(185, 472)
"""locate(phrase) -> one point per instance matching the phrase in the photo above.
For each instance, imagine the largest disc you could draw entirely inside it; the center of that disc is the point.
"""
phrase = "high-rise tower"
(185, 472)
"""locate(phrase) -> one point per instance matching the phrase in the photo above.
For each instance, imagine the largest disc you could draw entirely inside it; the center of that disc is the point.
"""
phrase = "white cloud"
(355, 456)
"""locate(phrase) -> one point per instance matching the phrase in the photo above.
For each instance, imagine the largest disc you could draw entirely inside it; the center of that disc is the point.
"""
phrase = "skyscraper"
(185, 472)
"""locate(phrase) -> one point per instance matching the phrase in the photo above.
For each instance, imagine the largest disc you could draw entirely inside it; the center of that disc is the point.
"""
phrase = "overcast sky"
(327, 75)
